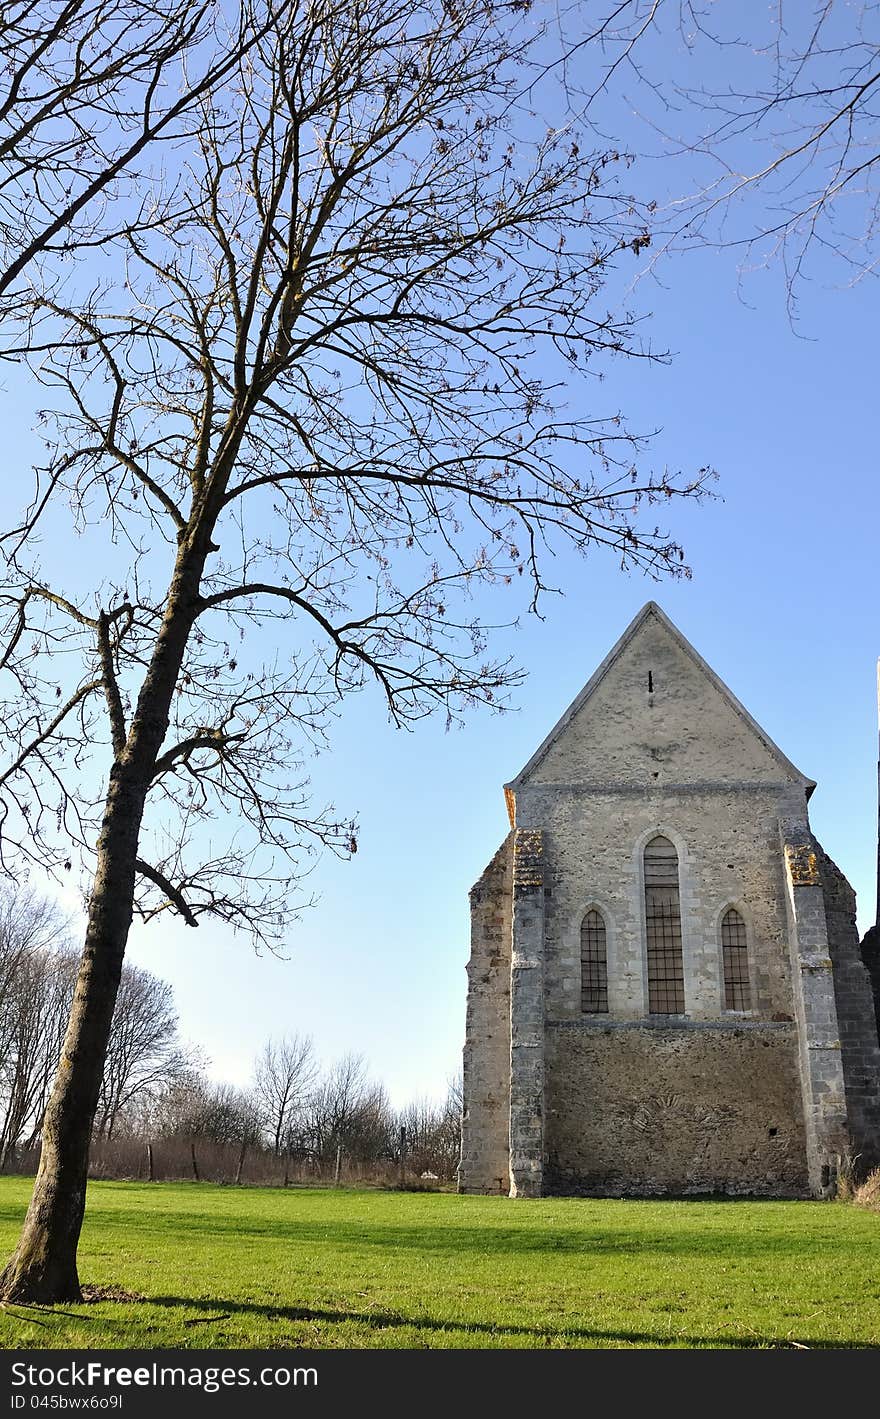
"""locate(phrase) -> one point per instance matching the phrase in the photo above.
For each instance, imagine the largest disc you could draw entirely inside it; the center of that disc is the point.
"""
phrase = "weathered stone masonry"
(485, 1144)
(762, 1101)
(527, 1017)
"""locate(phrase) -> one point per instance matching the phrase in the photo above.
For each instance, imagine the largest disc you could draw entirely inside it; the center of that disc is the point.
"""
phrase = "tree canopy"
(357, 367)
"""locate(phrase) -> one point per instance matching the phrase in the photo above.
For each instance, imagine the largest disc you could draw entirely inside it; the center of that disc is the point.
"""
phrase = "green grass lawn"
(241, 1267)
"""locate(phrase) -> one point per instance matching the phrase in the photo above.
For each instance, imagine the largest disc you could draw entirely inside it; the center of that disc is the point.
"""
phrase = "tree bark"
(43, 1268)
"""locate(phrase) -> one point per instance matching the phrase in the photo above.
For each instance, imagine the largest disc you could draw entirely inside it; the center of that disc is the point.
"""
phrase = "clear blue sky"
(782, 604)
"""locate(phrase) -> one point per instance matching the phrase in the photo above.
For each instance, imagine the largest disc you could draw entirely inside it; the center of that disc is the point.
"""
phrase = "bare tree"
(306, 425)
(36, 989)
(29, 923)
(349, 1111)
(89, 88)
(145, 1113)
(218, 1112)
(37, 976)
(40, 999)
(284, 1073)
(778, 140)
(175, 1104)
(143, 1050)
(433, 1133)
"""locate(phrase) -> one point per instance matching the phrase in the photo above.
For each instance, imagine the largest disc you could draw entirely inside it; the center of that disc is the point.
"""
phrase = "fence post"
(192, 1149)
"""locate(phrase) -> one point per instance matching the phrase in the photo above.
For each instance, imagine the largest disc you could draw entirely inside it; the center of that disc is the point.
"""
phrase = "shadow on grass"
(541, 1335)
(438, 1239)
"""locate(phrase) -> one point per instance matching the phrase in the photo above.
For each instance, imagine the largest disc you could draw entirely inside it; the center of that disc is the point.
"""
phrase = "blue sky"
(782, 604)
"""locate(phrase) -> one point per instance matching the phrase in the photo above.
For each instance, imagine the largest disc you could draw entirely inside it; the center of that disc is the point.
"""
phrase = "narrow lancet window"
(594, 965)
(735, 955)
(663, 923)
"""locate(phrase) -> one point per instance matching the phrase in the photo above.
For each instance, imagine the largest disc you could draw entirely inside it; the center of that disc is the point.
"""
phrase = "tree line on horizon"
(161, 1115)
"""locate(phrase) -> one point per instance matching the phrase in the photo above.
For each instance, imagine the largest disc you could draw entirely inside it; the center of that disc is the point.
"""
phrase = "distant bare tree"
(284, 1074)
(196, 1107)
(349, 1111)
(37, 976)
(36, 989)
(368, 1136)
(40, 1000)
(169, 1112)
(334, 1103)
(144, 1049)
(28, 923)
(449, 1126)
(433, 1133)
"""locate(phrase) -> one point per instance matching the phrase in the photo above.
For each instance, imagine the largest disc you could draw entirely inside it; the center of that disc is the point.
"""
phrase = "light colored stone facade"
(766, 1101)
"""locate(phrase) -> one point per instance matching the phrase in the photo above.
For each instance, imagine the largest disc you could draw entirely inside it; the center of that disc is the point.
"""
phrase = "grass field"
(231, 1267)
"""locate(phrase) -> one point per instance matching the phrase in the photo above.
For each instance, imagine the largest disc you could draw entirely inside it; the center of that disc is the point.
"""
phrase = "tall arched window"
(594, 965)
(735, 955)
(663, 923)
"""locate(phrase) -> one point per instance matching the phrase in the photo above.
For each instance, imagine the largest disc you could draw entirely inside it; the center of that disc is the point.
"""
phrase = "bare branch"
(111, 686)
(174, 896)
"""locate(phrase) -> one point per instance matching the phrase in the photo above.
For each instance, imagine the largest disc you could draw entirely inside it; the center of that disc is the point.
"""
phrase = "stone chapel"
(665, 989)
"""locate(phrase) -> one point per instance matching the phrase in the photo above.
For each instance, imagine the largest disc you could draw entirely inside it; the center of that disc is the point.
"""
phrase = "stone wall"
(485, 1155)
(729, 855)
(860, 1051)
(688, 1108)
(870, 953)
(638, 1108)
(527, 1017)
(819, 1053)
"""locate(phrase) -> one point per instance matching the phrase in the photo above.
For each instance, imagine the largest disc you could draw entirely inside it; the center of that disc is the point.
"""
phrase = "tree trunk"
(43, 1268)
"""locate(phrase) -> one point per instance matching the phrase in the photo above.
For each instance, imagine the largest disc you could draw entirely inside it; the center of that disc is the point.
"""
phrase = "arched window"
(594, 965)
(735, 955)
(663, 924)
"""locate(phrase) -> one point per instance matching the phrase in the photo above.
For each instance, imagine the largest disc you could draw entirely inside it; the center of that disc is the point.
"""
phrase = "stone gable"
(655, 714)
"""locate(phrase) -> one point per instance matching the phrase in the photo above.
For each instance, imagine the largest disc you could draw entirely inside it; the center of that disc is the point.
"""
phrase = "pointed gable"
(654, 713)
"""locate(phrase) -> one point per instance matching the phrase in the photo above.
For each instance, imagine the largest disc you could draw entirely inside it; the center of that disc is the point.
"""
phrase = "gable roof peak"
(649, 610)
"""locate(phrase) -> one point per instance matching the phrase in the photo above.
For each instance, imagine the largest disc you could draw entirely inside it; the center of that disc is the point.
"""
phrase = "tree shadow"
(541, 1335)
(440, 1239)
